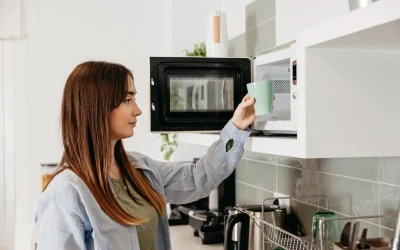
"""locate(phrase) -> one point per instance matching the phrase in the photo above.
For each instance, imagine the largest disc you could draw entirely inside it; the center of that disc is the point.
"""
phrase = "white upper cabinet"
(293, 16)
(11, 21)
(346, 100)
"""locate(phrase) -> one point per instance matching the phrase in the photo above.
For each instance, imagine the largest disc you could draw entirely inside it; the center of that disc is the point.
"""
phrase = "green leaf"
(173, 143)
(167, 155)
(165, 138)
(174, 135)
(163, 147)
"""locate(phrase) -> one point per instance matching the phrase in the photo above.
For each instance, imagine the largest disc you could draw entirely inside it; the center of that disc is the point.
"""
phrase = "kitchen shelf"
(347, 74)
(347, 92)
(376, 26)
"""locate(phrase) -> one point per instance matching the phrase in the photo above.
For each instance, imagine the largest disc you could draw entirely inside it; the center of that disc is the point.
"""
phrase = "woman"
(103, 198)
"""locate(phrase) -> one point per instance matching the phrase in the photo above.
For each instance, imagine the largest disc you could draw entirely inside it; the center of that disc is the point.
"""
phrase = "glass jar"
(46, 171)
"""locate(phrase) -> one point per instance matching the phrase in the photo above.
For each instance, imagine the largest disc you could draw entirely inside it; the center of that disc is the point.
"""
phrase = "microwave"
(200, 94)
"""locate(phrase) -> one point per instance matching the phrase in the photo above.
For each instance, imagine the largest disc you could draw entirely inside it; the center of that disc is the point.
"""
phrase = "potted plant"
(198, 50)
(169, 145)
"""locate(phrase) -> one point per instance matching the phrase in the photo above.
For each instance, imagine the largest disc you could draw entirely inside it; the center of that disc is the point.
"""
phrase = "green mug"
(263, 92)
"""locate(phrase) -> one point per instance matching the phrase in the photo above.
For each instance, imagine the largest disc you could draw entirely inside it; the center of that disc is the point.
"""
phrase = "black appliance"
(196, 93)
(208, 224)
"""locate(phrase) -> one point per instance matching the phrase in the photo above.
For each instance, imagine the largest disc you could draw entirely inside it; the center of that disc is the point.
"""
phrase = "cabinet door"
(10, 19)
(293, 15)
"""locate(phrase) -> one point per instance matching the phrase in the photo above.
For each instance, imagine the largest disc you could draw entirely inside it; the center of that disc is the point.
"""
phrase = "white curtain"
(7, 166)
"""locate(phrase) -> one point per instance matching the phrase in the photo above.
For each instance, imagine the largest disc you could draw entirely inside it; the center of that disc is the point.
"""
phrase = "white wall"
(189, 23)
(7, 170)
(60, 36)
(22, 121)
(118, 31)
(236, 16)
(10, 19)
(64, 34)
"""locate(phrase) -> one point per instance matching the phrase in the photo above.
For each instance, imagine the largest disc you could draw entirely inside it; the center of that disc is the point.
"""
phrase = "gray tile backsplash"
(256, 196)
(260, 157)
(241, 193)
(262, 175)
(253, 41)
(248, 195)
(390, 170)
(240, 172)
(311, 164)
(259, 12)
(348, 196)
(389, 198)
(353, 186)
(363, 168)
(260, 30)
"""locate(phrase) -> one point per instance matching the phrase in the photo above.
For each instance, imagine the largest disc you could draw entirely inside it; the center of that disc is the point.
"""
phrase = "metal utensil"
(363, 240)
(354, 235)
(345, 236)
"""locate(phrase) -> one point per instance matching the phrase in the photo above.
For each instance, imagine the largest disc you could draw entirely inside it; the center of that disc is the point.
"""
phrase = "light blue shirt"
(69, 217)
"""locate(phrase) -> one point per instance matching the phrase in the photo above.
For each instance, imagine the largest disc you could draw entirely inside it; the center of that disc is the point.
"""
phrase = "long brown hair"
(92, 91)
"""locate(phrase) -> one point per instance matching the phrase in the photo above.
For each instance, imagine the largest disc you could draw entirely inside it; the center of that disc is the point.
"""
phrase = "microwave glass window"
(201, 94)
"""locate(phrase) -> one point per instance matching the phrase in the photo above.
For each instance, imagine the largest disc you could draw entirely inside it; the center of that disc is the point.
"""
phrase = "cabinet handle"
(294, 95)
(152, 81)
(153, 107)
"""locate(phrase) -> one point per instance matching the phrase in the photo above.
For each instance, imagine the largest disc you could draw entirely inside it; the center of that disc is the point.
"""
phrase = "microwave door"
(195, 98)
(230, 91)
(203, 94)
(226, 94)
(196, 94)
(222, 94)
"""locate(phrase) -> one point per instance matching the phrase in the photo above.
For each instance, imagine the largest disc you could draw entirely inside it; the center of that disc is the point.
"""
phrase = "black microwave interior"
(196, 93)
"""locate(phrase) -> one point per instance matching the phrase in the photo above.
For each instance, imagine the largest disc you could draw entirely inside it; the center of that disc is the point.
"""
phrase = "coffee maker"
(206, 216)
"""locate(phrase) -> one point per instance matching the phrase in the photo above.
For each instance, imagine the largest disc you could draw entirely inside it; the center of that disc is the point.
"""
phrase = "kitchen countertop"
(182, 239)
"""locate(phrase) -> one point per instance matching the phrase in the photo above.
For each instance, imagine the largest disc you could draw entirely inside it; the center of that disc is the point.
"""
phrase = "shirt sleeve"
(188, 182)
(59, 222)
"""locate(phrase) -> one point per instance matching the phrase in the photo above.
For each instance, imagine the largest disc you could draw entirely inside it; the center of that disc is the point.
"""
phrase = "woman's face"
(124, 117)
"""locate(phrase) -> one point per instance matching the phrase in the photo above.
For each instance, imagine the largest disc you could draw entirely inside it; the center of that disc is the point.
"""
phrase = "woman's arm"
(185, 182)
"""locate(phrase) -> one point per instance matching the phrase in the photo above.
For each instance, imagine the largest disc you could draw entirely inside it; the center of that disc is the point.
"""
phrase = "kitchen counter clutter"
(182, 239)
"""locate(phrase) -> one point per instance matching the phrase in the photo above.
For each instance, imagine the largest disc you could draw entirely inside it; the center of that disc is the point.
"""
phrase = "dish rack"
(288, 241)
